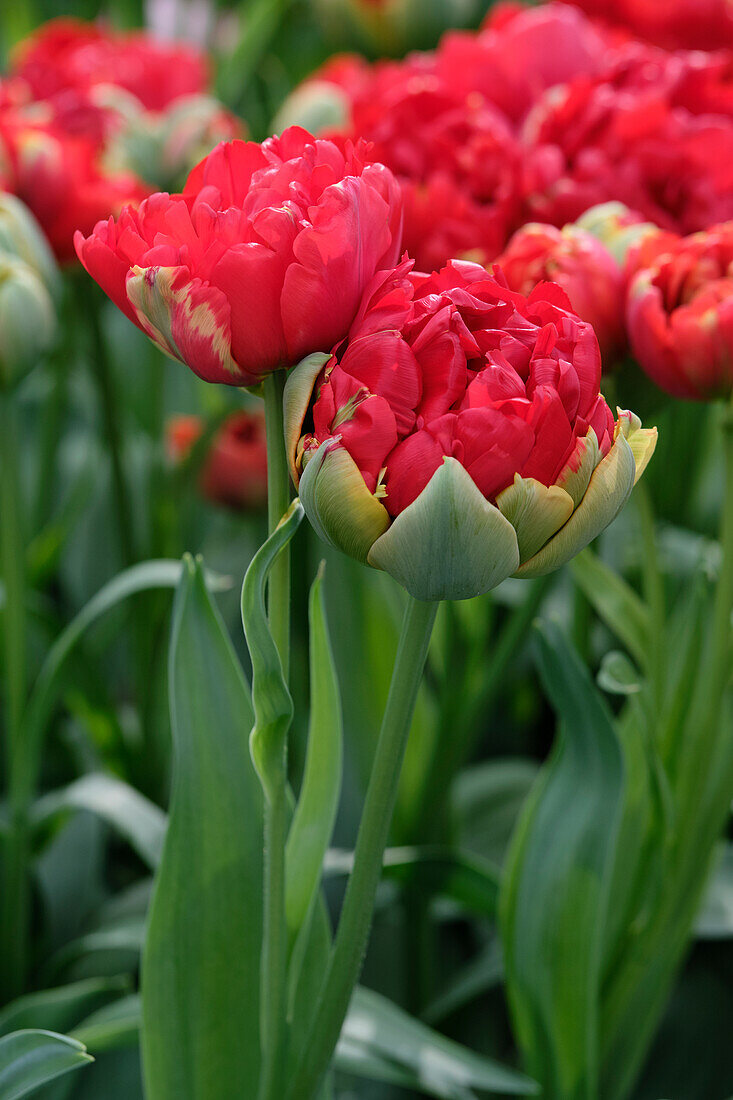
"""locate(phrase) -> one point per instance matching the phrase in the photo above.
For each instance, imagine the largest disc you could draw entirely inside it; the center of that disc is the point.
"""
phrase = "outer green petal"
(576, 476)
(535, 512)
(608, 491)
(642, 441)
(296, 399)
(450, 543)
(337, 502)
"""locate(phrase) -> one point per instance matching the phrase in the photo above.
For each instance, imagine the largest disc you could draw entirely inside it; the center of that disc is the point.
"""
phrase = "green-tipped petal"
(296, 399)
(450, 543)
(535, 512)
(576, 475)
(337, 502)
(641, 440)
(608, 491)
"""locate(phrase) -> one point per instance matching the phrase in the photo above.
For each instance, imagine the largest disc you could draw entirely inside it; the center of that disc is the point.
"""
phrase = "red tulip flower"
(580, 264)
(261, 260)
(234, 472)
(680, 315)
(460, 413)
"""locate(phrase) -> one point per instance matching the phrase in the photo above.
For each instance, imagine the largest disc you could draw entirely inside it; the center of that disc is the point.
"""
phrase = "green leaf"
(484, 972)
(129, 813)
(201, 965)
(441, 871)
(60, 1009)
(273, 706)
(437, 1066)
(555, 894)
(487, 800)
(113, 1027)
(617, 674)
(139, 578)
(29, 1059)
(616, 603)
(315, 813)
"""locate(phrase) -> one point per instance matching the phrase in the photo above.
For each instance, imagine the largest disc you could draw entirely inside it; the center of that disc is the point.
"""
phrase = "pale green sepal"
(608, 491)
(337, 502)
(576, 475)
(450, 543)
(271, 701)
(296, 399)
(642, 441)
(535, 512)
(315, 813)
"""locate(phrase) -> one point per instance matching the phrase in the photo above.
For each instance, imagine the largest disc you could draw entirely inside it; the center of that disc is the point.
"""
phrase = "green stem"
(356, 915)
(110, 415)
(653, 591)
(15, 899)
(724, 593)
(273, 977)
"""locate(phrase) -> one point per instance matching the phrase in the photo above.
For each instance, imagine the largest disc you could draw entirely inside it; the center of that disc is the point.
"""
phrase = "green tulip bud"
(27, 319)
(22, 236)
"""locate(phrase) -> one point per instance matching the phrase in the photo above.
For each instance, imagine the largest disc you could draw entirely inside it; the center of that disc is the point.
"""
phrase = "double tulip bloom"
(458, 436)
(261, 260)
(680, 314)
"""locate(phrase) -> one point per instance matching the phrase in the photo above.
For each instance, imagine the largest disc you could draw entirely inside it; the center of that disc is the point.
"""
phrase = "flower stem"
(724, 592)
(273, 975)
(653, 590)
(356, 916)
(15, 899)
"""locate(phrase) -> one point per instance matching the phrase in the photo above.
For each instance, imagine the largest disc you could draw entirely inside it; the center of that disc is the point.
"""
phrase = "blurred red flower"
(261, 260)
(674, 24)
(680, 314)
(234, 472)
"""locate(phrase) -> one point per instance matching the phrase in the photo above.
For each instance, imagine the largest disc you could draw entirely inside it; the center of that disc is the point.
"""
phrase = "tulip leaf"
(315, 813)
(201, 964)
(132, 815)
(450, 543)
(273, 706)
(437, 1066)
(616, 603)
(556, 892)
(30, 1059)
(62, 1008)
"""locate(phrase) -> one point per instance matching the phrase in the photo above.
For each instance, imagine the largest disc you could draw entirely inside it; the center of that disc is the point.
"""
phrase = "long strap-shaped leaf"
(273, 706)
(29, 1059)
(555, 894)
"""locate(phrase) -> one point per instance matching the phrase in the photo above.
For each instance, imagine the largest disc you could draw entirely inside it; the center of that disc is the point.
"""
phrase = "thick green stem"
(15, 899)
(356, 915)
(273, 981)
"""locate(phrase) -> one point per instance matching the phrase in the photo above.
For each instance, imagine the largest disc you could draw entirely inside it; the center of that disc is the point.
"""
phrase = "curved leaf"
(555, 894)
(201, 964)
(29, 1059)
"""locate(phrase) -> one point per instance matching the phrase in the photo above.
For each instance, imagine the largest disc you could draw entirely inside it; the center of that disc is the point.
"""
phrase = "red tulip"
(69, 54)
(261, 260)
(675, 24)
(580, 264)
(235, 469)
(680, 315)
(456, 368)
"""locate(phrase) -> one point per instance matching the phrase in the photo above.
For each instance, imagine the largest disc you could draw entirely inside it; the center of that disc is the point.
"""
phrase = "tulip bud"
(616, 227)
(27, 319)
(459, 437)
(318, 106)
(22, 236)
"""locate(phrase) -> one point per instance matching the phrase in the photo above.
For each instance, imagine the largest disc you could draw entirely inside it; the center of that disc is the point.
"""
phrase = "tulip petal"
(574, 478)
(296, 399)
(535, 511)
(187, 319)
(609, 488)
(642, 441)
(450, 543)
(338, 504)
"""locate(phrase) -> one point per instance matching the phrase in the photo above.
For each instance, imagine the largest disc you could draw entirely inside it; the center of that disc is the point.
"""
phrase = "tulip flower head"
(582, 266)
(234, 472)
(680, 315)
(261, 260)
(458, 435)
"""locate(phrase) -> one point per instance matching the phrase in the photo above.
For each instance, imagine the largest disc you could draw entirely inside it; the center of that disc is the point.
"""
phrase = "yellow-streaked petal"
(450, 543)
(535, 511)
(642, 441)
(296, 399)
(576, 475)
